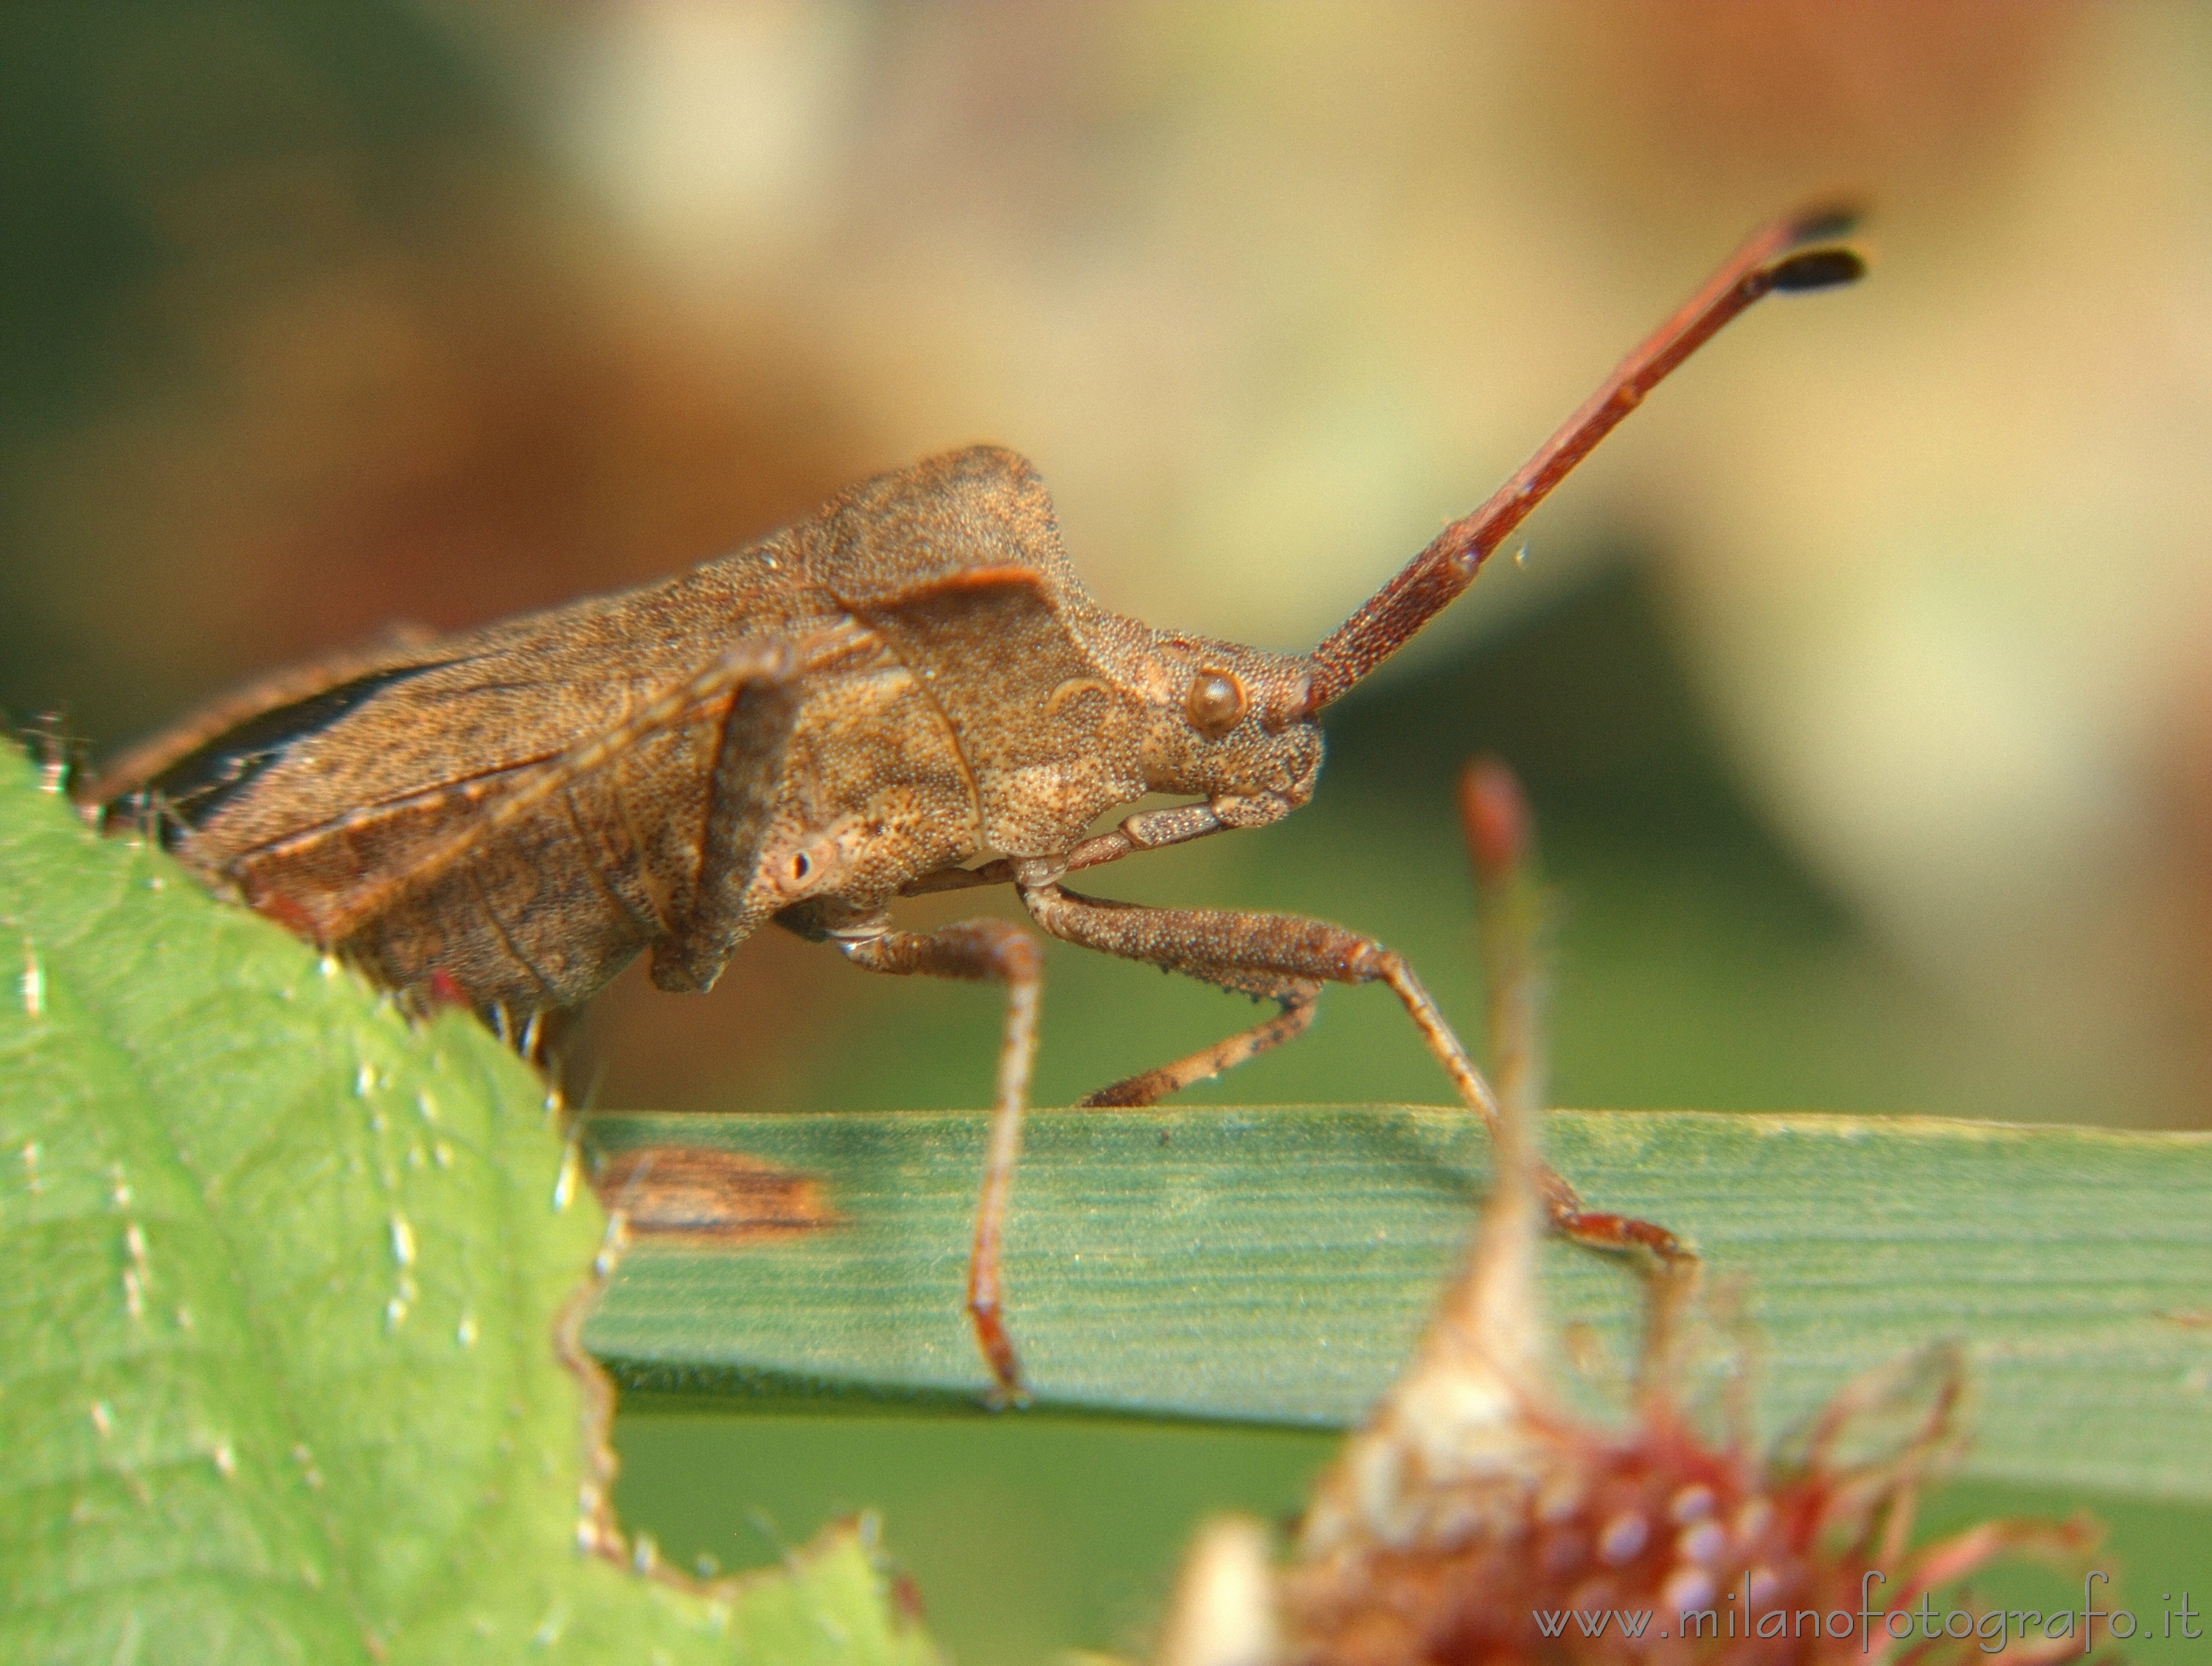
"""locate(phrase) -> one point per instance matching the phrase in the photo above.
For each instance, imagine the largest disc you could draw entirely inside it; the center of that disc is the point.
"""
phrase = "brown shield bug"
(848, 712)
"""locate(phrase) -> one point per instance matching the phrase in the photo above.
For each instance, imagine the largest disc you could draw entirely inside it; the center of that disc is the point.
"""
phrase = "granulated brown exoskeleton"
(846, 712)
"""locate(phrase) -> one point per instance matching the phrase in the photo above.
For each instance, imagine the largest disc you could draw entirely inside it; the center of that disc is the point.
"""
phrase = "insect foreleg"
(993, 951)
(1259, 952)
(1148, 829)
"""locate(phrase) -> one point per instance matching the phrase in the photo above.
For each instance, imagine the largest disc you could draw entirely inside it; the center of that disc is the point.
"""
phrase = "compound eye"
(1216, 704)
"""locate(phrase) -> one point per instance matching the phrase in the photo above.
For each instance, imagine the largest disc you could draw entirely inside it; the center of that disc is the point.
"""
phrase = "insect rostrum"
(849, 711)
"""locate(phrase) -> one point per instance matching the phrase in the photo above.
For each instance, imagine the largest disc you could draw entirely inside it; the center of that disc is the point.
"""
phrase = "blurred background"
(1860, 682)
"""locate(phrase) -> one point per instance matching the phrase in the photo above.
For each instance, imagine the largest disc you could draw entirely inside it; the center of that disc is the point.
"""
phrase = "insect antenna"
(1775, 257)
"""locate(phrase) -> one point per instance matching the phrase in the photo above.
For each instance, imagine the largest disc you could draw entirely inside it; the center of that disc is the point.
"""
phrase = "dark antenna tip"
(1817, 269)
(1776, 257)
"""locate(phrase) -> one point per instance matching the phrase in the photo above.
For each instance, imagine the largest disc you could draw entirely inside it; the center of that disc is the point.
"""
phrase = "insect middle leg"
(1262, 953)
(982, 951)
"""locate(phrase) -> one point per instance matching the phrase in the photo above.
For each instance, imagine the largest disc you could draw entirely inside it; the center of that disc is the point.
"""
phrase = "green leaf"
(278, 1378)
(1275, 1266)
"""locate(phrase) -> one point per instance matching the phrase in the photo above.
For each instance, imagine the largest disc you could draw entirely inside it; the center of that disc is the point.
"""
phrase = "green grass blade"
(1275, 1266)
(276, 1371)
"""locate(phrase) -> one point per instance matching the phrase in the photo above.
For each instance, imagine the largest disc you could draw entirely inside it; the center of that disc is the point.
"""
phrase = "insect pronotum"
(848, 712)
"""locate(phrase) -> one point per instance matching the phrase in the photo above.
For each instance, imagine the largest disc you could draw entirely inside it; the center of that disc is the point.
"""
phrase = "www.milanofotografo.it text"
(1738, 1614)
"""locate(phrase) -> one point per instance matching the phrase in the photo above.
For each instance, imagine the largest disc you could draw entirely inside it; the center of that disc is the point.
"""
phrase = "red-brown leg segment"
(1152, 1086)
(1260, 952)
(982, 951)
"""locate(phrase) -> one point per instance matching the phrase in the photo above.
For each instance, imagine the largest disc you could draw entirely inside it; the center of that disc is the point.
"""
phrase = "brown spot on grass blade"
(710, 1196)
